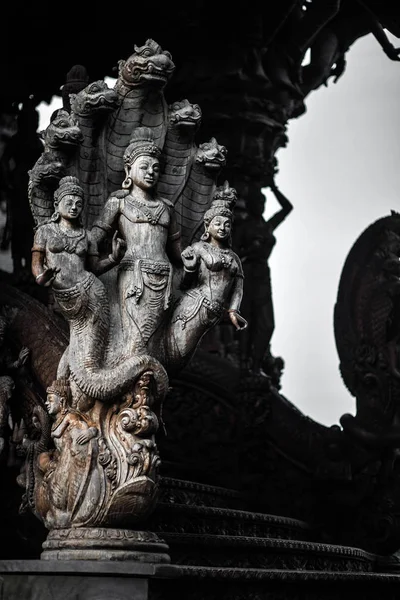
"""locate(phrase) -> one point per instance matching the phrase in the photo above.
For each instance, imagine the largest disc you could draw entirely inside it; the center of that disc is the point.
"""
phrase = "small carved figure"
(69, 479)
(147, 224)
(214, 277)
(254, 241)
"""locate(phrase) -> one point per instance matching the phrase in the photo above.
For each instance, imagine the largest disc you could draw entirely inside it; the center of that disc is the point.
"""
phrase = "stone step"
(221, 583)
(51, 580)
(208, 520)
(229, 551)
(181, 491)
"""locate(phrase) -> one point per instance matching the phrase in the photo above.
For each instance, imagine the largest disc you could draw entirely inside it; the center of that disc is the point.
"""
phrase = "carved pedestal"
(101, 474)
(100, 543)
(147, 277)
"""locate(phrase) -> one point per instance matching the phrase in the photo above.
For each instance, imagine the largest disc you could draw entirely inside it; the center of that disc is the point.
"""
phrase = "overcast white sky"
(341, 172)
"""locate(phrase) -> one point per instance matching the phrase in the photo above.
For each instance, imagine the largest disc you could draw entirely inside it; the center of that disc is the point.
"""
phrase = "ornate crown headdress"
(222, 203)
(68, 185)
(62, 388)
(142, 142)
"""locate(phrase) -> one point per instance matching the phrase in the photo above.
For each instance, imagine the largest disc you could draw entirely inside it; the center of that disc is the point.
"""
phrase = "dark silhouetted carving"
(20, 154)
(254, 241)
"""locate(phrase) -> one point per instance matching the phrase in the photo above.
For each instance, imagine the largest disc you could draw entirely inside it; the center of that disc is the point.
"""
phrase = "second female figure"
(213, 278)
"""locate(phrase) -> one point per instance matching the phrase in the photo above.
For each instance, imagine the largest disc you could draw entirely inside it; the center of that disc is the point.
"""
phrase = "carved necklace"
(152, 213)
(75, 237)
(225, 256)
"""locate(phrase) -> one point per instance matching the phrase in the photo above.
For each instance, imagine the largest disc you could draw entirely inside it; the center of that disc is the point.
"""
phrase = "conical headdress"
(142, 142)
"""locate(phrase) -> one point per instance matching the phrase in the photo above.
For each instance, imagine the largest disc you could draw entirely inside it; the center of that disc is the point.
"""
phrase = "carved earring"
(206, 236)
(55, 216)
(127, 183)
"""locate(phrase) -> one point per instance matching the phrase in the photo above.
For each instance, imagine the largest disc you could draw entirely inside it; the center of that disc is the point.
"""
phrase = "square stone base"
(74, 580)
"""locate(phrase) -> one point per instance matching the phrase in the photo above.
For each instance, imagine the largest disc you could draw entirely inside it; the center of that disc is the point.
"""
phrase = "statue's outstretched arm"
(388, 48)
(190, 259)
(38, 263)
(42, 274)
(236, 294)
(234, 304)
(281, 215)
(98, 265)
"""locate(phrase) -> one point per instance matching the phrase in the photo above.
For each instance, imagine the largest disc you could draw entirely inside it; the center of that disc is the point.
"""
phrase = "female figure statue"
(62, 253)
(64, 256)
(214, 277)
(254, 241)
(147, 224)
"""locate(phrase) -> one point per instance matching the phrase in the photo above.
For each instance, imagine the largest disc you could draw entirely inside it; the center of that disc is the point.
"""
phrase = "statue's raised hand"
(118, 248)
(86, 436)
(237, 320)
(47, 277)
(189, 259)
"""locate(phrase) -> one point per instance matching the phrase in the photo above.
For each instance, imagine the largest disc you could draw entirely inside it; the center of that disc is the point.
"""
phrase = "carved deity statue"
(70, 485)
(213, 276)
(136, 307)
(254, 242)
(147, 224)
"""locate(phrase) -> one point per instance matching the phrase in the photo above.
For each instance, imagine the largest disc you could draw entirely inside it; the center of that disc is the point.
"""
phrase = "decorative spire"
(222, 203)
